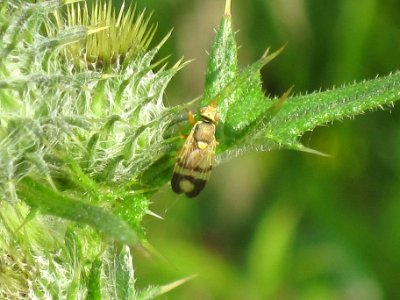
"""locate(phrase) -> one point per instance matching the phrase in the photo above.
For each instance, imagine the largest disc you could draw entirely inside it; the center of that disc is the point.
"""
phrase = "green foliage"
(86, 141)
(251, 121)
(56, 204)
(74, 143)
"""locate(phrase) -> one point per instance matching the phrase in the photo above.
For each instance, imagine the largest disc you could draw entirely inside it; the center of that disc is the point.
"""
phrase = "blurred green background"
(285, 224)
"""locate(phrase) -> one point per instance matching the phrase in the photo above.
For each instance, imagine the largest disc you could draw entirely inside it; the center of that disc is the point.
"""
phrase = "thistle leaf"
(250, 121)
(54, 203)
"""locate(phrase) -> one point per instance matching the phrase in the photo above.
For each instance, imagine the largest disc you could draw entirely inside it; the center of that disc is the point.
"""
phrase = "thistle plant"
(86, 140)
(81, 113)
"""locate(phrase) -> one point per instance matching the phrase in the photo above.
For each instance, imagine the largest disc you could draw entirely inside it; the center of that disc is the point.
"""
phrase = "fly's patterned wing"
(194, 164)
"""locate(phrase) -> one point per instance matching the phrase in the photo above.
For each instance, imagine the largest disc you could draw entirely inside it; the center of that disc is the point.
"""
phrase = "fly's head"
(209, 113)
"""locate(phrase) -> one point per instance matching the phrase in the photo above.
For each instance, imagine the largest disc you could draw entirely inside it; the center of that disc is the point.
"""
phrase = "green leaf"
(58, 204)
(222, 65)
(156, 291)
(239, 97)
(124, 274)
(250, 121)
(303, 113)
(243, 116)
(94, 282)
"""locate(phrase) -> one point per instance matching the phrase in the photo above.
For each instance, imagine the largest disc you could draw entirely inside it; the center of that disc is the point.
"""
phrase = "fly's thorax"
(204, 134)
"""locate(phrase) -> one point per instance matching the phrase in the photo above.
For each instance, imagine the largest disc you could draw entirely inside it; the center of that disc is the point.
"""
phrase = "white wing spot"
(202, 145)
(186, 185)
